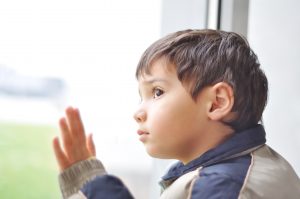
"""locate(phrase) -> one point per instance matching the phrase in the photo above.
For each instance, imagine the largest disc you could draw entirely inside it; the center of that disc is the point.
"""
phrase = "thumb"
(90, 145)
(61, 158)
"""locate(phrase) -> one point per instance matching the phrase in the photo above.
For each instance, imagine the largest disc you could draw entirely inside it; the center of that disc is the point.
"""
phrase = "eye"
(157, 92)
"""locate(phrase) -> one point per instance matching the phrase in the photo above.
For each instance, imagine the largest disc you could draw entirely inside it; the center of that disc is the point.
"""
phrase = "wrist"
(72, 179)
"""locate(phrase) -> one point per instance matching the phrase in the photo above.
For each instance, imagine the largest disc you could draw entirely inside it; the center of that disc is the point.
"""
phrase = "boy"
(202, 98)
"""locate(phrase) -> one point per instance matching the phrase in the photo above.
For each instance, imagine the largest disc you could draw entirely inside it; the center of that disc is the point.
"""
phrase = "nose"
(140, 116)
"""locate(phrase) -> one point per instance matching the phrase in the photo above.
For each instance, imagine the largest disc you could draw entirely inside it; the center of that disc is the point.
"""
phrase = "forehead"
(159, 68)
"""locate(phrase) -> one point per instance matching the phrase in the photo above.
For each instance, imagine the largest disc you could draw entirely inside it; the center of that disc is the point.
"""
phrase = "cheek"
(171, 128)
(160, 119)
(171, 117)
(162, 132)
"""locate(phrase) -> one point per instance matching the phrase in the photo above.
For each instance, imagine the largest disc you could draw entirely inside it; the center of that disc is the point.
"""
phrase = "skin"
(171, 124)
(174, 125)
(76, 146)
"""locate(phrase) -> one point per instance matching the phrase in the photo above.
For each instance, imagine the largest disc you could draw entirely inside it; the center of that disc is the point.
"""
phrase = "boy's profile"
(202, 98)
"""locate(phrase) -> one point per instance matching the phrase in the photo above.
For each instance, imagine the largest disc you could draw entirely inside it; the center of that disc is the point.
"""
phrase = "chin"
(156, 153)
(152, 151)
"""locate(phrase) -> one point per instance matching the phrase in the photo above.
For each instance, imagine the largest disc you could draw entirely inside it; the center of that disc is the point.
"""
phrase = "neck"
(213, 137)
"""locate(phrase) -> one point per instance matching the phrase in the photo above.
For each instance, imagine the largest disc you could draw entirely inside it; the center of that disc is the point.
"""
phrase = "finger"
(61, 158)
(79, 125)
(70, 119)
(75, 124)
(90, 145)
(65, 134)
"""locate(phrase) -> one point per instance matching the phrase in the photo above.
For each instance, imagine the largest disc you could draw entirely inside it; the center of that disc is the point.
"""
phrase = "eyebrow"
(152, 80)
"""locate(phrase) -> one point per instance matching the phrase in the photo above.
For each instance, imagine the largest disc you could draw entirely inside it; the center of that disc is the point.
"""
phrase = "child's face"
(170, 122)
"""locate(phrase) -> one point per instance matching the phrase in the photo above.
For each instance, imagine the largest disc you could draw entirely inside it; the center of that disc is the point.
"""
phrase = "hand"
(76, 146)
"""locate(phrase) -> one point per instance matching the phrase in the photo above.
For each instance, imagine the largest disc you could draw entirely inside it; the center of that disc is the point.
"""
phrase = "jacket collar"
(238, 143)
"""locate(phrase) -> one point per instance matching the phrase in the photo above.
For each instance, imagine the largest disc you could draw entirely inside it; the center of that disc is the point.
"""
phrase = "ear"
(222, 100)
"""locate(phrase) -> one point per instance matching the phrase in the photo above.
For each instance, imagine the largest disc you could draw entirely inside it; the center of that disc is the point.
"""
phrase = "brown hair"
(206, 57)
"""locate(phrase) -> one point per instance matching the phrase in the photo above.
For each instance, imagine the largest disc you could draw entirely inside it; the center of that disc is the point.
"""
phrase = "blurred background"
(84, 53)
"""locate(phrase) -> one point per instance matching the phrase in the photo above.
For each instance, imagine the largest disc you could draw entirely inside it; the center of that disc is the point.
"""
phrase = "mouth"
(140, 132)
(143, 135)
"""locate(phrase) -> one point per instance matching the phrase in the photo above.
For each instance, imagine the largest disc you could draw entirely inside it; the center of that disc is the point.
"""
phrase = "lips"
(143, 135)
(140, 132)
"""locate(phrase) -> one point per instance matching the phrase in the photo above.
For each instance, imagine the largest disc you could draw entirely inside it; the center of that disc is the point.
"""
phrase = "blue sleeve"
(215, 186)
(106, 186)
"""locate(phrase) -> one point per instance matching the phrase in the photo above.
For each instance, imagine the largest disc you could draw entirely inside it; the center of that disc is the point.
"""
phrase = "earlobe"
(222, 100)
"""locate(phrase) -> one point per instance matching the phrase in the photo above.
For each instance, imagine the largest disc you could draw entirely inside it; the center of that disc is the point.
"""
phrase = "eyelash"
(154, 92)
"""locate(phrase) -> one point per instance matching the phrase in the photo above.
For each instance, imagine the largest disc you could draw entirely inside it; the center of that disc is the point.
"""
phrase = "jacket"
(241, 167)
